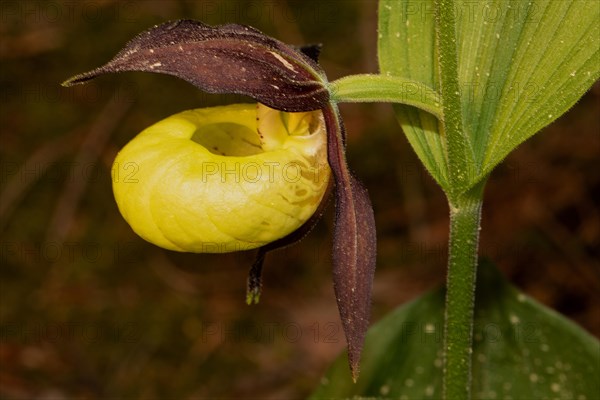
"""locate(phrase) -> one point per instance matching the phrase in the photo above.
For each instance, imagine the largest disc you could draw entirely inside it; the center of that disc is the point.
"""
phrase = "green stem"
(457, 144)
(465, 217)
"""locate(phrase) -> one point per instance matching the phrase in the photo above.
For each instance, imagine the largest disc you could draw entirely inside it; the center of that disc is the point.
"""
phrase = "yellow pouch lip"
(175, 208)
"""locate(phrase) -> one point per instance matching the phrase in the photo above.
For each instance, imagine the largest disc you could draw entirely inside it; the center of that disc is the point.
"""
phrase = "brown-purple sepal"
(227, 58)
(354, 243)
(354, 254)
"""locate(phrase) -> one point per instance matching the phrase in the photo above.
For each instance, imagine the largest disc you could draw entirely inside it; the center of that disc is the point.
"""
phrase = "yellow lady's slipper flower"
(223, 179)
(242, 176)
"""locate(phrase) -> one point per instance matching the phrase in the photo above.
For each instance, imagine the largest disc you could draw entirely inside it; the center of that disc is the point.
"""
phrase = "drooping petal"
(225, 59)
(354, 243)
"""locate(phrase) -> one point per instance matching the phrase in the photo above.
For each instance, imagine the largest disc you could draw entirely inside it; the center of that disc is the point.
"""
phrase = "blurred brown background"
(89, 310)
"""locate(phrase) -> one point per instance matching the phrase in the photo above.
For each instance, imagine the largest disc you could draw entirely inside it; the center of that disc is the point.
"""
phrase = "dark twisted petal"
(354, 243)
(254, 285)
(225, 59)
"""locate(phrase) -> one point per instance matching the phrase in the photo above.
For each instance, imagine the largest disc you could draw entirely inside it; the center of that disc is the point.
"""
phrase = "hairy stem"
(460, 156)
(465, 217)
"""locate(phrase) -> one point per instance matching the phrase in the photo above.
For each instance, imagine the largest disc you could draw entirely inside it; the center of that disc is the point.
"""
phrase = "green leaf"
(522, 350)
(520, 66)
(406, 49)
(540, 59)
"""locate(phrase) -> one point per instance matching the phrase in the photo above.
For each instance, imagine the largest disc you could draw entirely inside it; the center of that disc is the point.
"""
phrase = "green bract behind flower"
(223, 179)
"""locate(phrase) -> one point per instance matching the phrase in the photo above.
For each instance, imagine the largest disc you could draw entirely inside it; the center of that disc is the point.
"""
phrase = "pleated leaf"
(521, 66)
(406, 49)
